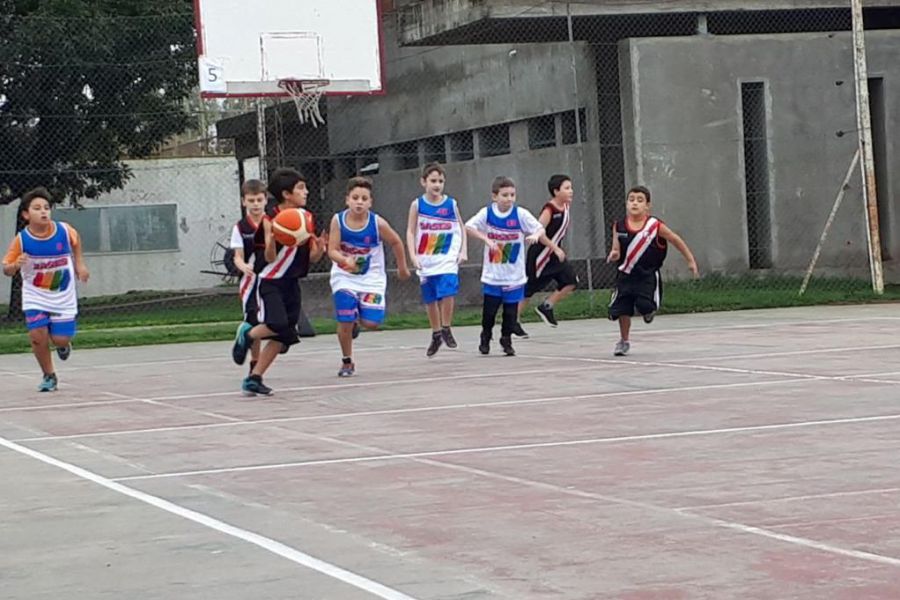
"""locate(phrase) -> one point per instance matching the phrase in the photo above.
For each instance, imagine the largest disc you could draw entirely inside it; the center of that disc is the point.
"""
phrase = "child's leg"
(345, 338)
(434, 315)
(489, 310)
(447, 305)
(560, 295)
(40, 346)
(510, 317)
(624, 327)
(255, 351)
(266, 356)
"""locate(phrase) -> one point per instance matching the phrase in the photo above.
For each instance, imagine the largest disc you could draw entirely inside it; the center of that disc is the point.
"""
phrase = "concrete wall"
(683, 138)
(208, 199)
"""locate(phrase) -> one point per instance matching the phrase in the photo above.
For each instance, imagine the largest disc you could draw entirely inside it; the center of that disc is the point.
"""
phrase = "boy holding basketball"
(278, 291)
(436, 241)
(358, 276)
(48, 255)
(640, 243)
(245, 242)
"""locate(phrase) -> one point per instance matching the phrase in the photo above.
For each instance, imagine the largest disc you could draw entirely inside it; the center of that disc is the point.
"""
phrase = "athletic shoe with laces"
(519, 332)
(48, 384)
(252, 386)
(449, 340)
(506, 344)
(241, 343)
(356, 330)
(622, 348)
(64, 352)
(485, 345)
(546, 314)
(435, 345)
(347, 370)
(648, 318)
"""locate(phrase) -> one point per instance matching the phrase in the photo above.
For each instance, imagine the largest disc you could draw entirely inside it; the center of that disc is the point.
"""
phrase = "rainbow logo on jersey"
(435, 243)
(361, 266)
(52, 281)
(371, 299)
(505, 253)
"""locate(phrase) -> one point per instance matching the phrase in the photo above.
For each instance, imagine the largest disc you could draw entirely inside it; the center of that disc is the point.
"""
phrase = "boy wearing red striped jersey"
(639, 247)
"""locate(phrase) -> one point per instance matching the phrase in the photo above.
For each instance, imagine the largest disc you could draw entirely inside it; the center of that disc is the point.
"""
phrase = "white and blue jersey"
(365, 246)
(505, 265)
(438, 237)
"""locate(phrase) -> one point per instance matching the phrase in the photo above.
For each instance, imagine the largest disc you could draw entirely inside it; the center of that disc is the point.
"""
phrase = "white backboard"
(245, 48)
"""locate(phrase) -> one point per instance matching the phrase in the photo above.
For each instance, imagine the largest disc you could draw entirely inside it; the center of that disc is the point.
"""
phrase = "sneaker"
(448, 337)
(347, 370)
(355, 333)
(485, 346)
(519, 332)
(648, 318)
(64, 352)
(48, 384)
(241, 344)
(506, 344)
(255, 387)
(622, 348)
(546, 314)
(435, 345)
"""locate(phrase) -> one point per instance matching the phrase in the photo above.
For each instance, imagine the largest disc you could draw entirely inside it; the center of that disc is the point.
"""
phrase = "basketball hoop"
(307, 95)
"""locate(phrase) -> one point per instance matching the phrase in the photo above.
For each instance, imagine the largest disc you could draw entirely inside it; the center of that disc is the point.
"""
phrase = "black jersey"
(541, 259)
(642, 251)
(290, 262)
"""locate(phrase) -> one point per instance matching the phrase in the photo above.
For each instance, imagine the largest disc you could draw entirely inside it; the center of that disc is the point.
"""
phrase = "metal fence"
(743, 124)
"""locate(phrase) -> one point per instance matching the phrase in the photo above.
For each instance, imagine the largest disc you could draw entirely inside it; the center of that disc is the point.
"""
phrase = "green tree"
(85, 84)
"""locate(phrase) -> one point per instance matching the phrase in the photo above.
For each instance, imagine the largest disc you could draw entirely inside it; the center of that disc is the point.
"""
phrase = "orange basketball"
(292, 227)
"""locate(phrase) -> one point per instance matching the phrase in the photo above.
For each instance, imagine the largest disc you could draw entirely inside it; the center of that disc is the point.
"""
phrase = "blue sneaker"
(241, 343)
(255, 387)
(347, 369)
(48, 384)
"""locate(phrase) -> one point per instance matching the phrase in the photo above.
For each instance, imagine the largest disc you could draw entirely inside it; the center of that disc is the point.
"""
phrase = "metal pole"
(864, 124)
(261, 140)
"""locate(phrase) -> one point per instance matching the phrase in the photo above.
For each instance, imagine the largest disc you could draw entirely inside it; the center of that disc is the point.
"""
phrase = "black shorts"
(251, 305)
(279, 308)
(563, 274)
(636, 294)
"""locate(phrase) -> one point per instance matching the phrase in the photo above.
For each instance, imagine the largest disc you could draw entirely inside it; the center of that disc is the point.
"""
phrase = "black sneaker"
(435, 345)
(355, 333)
(506, 344)
(648, 318)
(448, 337)
(546, 314)
(519, 332)
(485, 346)
(64, 352)
(348, 369)
(252, 386)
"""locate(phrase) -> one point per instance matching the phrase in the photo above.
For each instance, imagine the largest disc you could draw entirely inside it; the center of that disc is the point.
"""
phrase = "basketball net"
(307, 95)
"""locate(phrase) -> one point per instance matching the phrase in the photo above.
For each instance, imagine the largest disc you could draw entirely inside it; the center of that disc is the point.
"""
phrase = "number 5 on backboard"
(212, 75)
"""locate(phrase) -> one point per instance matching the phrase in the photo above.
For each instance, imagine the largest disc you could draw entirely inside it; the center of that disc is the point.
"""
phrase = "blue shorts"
(368, 306)
(509, 293)
(58, 325)
(438, 287)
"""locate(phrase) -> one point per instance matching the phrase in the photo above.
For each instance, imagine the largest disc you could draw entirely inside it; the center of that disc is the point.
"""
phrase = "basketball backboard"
(245, 48)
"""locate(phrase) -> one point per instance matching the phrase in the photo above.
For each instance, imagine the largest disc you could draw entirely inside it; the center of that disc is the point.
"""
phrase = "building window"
(407, 155)
(542, 132)
(569, 131)
(494, 140)
(756, 174)
(137, 228)
(435, 150)
(462, 146)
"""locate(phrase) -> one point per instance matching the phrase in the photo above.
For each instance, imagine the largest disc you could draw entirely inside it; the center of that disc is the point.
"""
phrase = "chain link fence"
(742, 124)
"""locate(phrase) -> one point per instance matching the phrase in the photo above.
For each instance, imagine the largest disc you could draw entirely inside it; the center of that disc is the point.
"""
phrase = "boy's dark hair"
(639, 189)
(555, 182)
(284, 180)
(253, 187)
(501, 182)
(29, 197)
(361, 182)
(431, 168)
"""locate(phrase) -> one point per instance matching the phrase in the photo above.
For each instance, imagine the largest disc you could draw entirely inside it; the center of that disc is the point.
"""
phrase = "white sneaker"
(622, 348)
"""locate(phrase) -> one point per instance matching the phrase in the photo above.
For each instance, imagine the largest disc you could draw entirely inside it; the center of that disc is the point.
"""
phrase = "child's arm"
(674, 239)
(616, 249)
(464, 248)
(240, 263)
(81, 270)
(412, 224)
(270, 253)
(559, 252)
(14, 259)
(334, 247)
(474, 225)
(393, 240)
(533, 228)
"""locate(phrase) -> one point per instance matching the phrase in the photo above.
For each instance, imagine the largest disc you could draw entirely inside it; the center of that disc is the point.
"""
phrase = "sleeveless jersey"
(506, 265)
(48, 276)
(438, 237)
(541, 259)
(642, 252)
(245, 232)
(291, 262)
(368, 274)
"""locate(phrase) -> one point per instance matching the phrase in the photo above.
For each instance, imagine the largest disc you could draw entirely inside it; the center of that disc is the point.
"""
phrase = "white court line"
(29, 407)
(749, 529)
(417, 409)
(792, 353)
(505, 448)
(791, 498)
(690, 367)
(268, 544)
